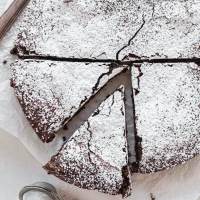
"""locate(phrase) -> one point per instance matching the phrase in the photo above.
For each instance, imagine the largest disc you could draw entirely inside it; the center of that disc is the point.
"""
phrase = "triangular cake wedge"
(95, 157)
(51, 92)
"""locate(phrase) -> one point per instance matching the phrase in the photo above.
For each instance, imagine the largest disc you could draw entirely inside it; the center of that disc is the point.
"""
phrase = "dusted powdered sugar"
(87, 28)
(80, 28)
(51, 92)
(168, 115)
(96, 154)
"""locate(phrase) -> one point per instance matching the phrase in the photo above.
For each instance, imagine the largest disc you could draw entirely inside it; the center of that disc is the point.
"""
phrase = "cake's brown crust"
(54, 168)
(34, 119)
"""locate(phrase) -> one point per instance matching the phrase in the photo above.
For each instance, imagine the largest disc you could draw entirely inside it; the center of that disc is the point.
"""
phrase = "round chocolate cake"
(161, 127)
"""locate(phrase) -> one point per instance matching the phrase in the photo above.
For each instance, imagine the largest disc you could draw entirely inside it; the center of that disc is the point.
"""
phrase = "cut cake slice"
(95, 157)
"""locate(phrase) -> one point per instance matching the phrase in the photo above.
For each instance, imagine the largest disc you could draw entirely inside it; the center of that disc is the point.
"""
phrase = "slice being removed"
(95, 157)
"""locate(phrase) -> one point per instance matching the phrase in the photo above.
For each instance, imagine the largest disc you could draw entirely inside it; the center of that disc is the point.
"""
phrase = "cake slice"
(95, 157)
(51, 92)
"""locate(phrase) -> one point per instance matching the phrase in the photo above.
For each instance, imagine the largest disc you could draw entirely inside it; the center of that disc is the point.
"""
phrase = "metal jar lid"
(42, 187)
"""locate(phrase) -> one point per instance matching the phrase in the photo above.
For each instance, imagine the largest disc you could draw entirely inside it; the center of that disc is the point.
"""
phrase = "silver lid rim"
(49, 190)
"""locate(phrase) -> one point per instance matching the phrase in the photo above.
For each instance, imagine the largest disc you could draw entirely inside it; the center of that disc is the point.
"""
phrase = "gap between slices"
(88, 108)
